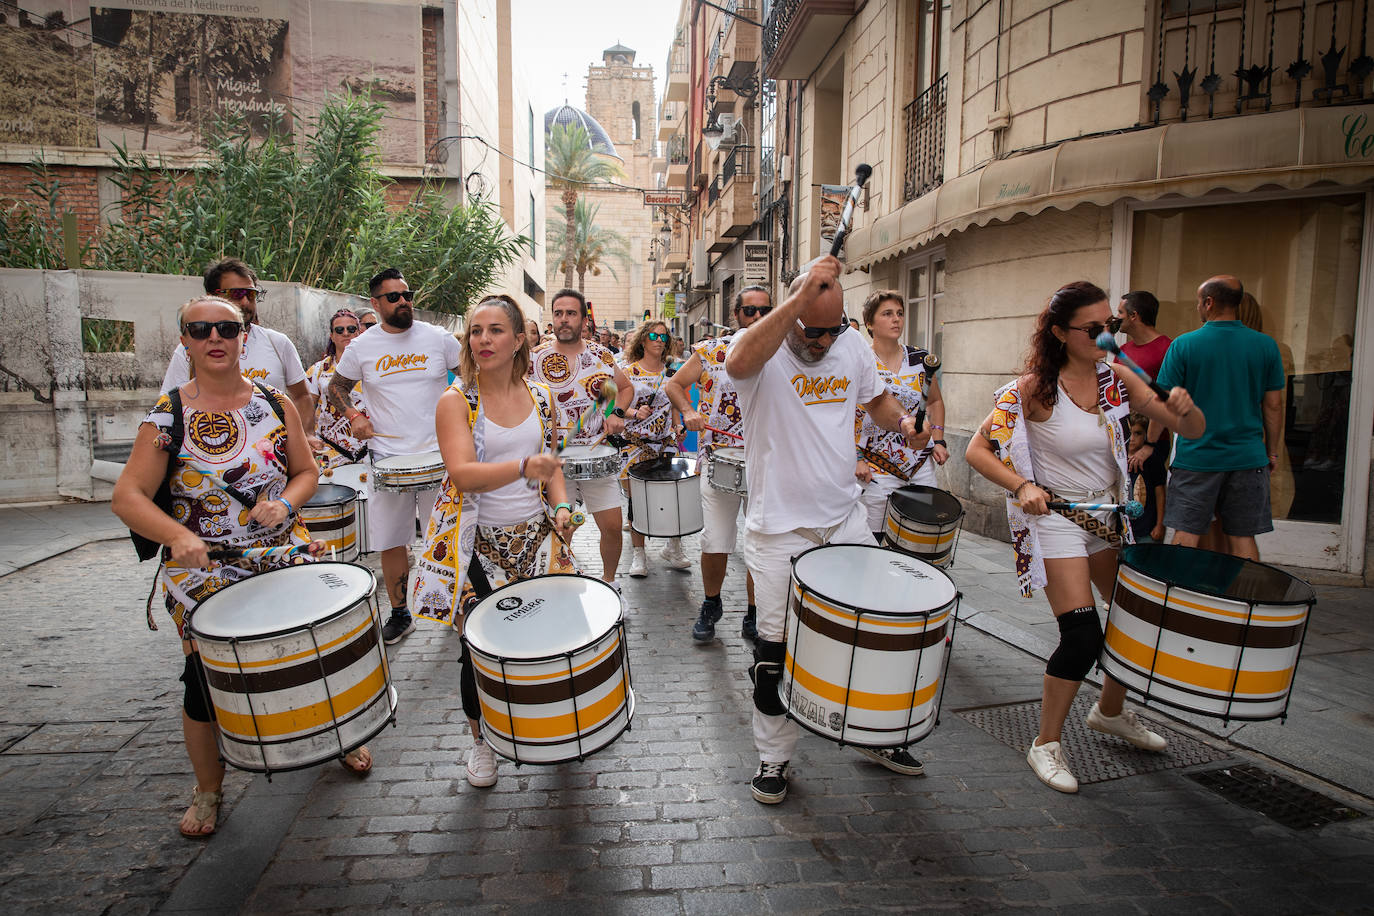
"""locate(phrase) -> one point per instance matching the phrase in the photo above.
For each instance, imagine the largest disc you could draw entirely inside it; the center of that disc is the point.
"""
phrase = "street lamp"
(665, 236)
(746, 87)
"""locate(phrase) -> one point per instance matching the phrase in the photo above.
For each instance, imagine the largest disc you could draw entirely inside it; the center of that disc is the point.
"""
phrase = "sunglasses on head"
(752, 310)
(242, 293)
(345, 329)
(655, 335)
(817, 333)
(200, 330)
(406, 294)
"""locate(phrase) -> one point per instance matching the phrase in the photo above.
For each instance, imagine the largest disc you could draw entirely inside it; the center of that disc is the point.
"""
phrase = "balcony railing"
(925, 141)
(740, 161)
(779, 18)
(713, 191)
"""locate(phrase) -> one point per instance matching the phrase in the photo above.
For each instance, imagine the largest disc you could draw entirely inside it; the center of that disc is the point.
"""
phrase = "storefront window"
(1300, 258)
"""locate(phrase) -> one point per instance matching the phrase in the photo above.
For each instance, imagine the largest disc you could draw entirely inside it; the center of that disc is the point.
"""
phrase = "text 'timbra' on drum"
(590, 462)
(1206, 632)
(331, 516)
(665, 497)
(866, 664)
(725, 470)
(552, 670)
(923, 522)
(402, 473)
(296, 667)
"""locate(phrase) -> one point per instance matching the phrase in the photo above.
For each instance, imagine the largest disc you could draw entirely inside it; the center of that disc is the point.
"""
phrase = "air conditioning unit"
(730, 138)
(785, 167)
(701, 266)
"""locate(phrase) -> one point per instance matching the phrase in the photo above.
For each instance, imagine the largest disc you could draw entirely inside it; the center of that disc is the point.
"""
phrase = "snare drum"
(553, 675)
(923, 522)
(331, 516)
(356, 477)
(665, 497)
(1206, 632)
(590, 462)
(404, 473)
(870, 674)
(296, 667)
(725, 470)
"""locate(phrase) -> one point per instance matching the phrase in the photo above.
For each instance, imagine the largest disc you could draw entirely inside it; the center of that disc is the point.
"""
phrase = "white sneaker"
(1125, 726)
(481, 768)
(615, 584)
(639, 563)
(674, 556)
(1047, 760)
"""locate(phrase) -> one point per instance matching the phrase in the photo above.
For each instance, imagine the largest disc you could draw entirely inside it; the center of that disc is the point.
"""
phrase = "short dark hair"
(1143, 305)
(755, 288)
(1223, 293)
(581, 299)
(216, 271)
(375, 283)
(877, 298)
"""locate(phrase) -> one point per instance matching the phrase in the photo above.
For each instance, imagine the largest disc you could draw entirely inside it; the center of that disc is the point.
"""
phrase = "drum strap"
(817, 536)
(1089, 522)
(352, 456)
(887, 467)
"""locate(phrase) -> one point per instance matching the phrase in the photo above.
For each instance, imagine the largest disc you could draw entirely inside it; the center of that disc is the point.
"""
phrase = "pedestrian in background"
(1138, 312)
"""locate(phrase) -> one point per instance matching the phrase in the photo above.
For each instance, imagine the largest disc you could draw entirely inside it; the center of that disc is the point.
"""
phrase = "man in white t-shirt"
(799, 377)
(267, 356)
(403, 365)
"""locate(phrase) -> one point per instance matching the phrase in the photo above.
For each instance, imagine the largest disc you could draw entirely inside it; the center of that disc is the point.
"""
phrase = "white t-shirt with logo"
(266, 356)
(403, 375)
(799, 434)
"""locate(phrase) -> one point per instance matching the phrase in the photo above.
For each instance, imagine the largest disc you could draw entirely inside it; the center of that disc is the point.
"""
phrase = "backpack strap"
(273, 398)
(178, 430)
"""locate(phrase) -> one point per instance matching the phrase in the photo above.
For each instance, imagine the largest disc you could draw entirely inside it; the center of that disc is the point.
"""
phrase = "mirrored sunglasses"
(242, 293)
(200, 330)
(655, 335)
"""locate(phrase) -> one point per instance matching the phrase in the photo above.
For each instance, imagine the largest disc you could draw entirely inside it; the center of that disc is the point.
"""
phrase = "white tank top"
(1072, 450)
(516, 501)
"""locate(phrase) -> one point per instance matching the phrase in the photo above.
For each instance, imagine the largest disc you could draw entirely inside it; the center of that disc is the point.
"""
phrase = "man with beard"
(800, 373)
(574, 368)
(267, 356)
(403, 365)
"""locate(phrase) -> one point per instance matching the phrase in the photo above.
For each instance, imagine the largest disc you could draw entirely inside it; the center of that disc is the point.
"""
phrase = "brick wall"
(431, 20)
(80, 192)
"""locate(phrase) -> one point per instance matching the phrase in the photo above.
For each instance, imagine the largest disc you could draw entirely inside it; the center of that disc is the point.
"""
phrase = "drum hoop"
(275, 634)
(553, 656)
(378, 464)
(352, 497)
(841, 603)
(1213, 593)
(892, 504)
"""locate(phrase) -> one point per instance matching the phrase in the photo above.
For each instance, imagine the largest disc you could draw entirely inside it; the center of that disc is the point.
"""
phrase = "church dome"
(598, 139)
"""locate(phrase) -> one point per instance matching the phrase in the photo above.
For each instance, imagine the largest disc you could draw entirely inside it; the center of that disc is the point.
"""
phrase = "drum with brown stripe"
(868, 634)
(924, 522)
(552, 671)
(331, 516)
(297, 670)
(1206, 632)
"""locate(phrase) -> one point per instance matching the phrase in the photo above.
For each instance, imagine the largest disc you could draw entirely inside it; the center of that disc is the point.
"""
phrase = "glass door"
(924, 280)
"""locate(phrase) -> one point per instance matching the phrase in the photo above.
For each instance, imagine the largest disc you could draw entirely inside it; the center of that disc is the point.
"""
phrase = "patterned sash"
(884, 464)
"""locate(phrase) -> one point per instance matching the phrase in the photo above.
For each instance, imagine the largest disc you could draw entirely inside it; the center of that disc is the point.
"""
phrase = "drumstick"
(254, 553)
(1132, 509)
(861, 174)
(932, 363)
(1105, 341)
(721, 432)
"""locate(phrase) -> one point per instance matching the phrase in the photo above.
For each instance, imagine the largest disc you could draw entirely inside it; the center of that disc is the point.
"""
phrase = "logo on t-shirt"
(394, 365)
(253, 374)
(827, 389)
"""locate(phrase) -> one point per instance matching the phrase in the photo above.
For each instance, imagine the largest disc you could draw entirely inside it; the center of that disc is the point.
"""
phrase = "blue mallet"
(1131, 509)
(1105, 341)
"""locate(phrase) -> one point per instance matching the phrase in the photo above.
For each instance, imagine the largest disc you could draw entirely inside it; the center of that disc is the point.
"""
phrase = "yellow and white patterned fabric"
(330, 425)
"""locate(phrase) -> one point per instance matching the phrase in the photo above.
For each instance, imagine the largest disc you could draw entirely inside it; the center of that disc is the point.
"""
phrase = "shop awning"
(1286, 149)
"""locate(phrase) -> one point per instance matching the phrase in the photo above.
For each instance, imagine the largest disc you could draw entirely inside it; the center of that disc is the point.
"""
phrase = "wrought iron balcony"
(925, 141)
(798, 33)
(740, 161)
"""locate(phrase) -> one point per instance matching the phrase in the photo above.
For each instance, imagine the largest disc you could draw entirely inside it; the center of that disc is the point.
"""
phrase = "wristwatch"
(619, 412)
(938, 442)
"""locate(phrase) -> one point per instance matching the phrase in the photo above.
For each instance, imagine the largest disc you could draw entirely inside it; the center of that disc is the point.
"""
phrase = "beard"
(403, 317)
(801, 351)
(566, 334)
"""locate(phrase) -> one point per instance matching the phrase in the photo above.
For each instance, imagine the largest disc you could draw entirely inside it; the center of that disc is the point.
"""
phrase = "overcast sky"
(553, 37)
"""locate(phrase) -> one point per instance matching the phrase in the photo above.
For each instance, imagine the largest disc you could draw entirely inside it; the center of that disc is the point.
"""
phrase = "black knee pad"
(1080, 643)
(766, 674)
(467, 686)
(196, 700)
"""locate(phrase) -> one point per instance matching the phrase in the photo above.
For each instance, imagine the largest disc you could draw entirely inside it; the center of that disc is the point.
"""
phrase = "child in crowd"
(1148, 482)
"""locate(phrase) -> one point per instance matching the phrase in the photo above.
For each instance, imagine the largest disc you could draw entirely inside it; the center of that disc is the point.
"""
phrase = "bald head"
(1219, 296)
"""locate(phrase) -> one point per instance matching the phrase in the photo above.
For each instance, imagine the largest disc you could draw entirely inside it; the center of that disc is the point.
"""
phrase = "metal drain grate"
(1092, 756)
(1276, 798)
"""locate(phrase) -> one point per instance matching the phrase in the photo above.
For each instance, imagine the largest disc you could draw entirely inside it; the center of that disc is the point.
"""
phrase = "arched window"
(634, 113)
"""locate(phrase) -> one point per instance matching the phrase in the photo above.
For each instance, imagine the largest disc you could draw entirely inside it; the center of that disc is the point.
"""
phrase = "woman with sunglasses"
(884, 460)
(1057, 434)
(241, 468)
(504, 495)
(366, 318)
(337, 446)
(650, 425)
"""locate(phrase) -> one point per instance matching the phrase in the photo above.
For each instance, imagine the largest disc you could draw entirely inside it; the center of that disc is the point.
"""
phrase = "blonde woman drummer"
(236, 477)
(503, 511)
(650, 425)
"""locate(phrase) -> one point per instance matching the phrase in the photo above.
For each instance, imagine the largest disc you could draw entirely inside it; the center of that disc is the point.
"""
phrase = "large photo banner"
(153, 75)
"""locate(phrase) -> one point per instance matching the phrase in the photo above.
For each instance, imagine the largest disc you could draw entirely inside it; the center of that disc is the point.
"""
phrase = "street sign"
(669, 306)
(664, 198)
(757, 256)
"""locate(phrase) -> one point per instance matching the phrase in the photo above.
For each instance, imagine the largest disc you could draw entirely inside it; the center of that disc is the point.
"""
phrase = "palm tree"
(593, 247)
(571, 166)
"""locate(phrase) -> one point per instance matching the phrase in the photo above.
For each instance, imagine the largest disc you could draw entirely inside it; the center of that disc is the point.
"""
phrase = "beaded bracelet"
(290, 509)
(524, 461)
(567, 506)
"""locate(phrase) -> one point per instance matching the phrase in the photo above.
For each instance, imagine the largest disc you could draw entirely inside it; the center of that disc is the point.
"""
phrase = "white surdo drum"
(665, 497)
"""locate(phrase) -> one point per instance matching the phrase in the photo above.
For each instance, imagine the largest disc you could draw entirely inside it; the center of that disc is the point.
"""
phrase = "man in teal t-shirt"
(1236, 376)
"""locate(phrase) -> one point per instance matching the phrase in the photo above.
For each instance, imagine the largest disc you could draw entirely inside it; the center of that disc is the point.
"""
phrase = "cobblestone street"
(93, 777)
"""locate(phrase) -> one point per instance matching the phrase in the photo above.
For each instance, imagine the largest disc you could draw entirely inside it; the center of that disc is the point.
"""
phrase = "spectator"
(1138, 312)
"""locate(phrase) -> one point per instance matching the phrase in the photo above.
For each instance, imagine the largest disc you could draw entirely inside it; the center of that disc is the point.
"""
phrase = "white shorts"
(721, 511)
(1061, 539)
(597, 495)
(876, 492)
(391, 516)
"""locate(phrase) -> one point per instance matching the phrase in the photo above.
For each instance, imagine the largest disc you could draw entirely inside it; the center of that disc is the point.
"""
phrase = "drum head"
(349, 475)
(544, 616)
(402, 462)
(281, 600)
(663, 469)
(926, 504)
(583, 452)
(892, 582)
(331, 494)
(732, 452)
(1217, 574)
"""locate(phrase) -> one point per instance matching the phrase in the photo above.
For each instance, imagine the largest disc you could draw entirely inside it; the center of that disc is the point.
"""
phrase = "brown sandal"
(357, 761)
(205, 810)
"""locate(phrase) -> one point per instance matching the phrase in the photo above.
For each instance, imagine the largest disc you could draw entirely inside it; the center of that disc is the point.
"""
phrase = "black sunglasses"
(1091, 330)
(238, 293)
(752, 310)
(200, 330)
(369, 324)
(817, 333)
(655, 335)
(345, 329)
(406, 294)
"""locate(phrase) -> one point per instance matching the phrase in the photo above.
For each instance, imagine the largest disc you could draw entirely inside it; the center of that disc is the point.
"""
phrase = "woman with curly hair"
(335, 447)
(1071, 447)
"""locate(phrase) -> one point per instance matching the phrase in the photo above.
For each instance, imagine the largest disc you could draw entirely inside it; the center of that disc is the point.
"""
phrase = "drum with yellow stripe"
(868, 634)
(331, 516)
(296, 666)
(553, 676)
(923, 522)
(1206, 632)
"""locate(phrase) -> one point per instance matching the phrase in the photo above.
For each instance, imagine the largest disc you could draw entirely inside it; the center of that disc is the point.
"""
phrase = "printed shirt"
(719, 401)
(574, 383)
(265, 356)
(888, 451)
(330, 425)
(653, 435)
